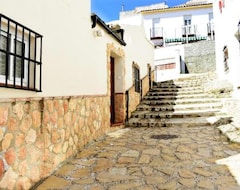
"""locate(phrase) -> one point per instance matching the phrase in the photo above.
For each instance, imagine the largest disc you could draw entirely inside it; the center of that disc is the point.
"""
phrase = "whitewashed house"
(66, 78)
(170, 29)
(227, 26)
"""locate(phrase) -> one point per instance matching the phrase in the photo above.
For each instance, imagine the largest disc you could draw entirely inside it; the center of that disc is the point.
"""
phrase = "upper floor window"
(20, 56)
(188, 29)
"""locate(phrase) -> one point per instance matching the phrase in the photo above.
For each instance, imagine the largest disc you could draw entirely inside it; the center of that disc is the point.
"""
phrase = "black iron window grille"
(20, 56)
(136, 78)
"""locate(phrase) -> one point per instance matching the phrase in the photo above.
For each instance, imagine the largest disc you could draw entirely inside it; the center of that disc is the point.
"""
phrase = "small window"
(20, 56)
(136, 78)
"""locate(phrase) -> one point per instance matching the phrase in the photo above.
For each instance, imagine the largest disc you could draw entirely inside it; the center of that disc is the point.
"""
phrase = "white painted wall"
(172, 21)
(167, 55)
(226, 26)
(139, 50)
(74, 61)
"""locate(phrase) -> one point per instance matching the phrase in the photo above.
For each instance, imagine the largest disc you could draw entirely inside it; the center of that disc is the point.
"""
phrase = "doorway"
(112, 89)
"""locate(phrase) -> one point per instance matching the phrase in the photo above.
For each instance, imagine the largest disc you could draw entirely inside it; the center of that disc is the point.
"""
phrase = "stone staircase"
(180, 102)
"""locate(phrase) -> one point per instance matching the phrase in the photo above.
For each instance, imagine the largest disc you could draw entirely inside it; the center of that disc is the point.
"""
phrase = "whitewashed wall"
(172, 21)
(226, 26)
(139, 50)
(74, 63)
(167, 55)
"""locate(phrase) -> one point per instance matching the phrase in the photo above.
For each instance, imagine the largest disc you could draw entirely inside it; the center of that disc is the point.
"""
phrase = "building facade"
(170, 29)
(64, 82)
(227, 25)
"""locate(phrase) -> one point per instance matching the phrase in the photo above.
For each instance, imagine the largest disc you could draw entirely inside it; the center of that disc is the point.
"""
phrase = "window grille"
(20, 56)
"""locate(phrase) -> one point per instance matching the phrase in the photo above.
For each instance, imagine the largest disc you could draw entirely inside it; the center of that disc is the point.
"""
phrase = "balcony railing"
(20, 56)
(182, 34)
(189, 31)
(156, 33)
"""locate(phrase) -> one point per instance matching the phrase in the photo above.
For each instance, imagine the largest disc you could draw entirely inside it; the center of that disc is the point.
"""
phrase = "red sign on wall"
(221, 5)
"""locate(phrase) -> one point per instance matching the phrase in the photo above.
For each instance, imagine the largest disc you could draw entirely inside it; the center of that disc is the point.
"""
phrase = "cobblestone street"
(134, 158)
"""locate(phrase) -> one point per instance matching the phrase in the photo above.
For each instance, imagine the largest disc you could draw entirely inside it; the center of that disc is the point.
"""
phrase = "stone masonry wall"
(36, 135)
(119, 107)
(134, 100)
(145, 85)
(200, 57)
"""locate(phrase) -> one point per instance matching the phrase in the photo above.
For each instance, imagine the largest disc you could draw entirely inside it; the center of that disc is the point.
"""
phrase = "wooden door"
(112, 90)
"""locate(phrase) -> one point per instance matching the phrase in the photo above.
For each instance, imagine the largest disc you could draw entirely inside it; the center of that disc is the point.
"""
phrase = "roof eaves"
(178, 7)
(96, 19)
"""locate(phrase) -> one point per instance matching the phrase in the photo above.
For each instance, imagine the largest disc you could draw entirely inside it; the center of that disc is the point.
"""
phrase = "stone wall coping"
(48, 98)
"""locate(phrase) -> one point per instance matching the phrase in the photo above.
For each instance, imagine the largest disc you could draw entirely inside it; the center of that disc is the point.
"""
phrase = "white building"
(227, 25)
(170, 26)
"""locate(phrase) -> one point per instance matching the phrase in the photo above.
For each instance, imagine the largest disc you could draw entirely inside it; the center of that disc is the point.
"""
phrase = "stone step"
(176, 114)
(180, 101)
(174, 89)
(172, 93)
(231, 130)
(174, 122)
(169, 97)
(170, 84)
(190, 107)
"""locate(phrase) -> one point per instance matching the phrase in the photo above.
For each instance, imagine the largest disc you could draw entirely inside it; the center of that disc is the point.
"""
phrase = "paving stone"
(103, 164)
(153, 180)
(119, 171)
(187, 182)
(202, 172)
(126, 186)
(151, 151)
(87, 181)
(186, 174)
(206, 184)
(105, 177)
(126, 160)
(81, 173)
(184, 149)
(144, 159)
(147, 171)
(65, 170)
(168, 158)
(183, 156)
(55, 183)
(166, 170)
(168, 186)
(131, 153)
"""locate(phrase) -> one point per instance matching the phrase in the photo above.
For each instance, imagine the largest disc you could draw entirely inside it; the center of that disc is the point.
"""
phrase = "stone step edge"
(180, 106)
(139, 114)
(231, 131)
(182, 100)
(212, 121)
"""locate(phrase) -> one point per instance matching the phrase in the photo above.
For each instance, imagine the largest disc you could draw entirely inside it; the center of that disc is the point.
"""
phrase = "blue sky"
(109, 10)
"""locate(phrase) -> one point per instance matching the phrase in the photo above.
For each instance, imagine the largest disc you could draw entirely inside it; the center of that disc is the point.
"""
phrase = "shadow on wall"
(183, 66)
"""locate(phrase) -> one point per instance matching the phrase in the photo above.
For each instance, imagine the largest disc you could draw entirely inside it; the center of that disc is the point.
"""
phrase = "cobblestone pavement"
(195, 158)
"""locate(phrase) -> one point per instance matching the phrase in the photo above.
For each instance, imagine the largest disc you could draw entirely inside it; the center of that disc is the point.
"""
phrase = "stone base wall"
(145, 85)
(200, 57)
(119, 107)
(134, 100)
(38, 134)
